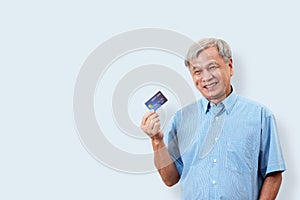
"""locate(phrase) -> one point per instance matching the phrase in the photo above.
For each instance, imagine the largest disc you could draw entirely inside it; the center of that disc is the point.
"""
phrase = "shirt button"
(216, 118)
(213, 182)
(216, 138)
(215, 160)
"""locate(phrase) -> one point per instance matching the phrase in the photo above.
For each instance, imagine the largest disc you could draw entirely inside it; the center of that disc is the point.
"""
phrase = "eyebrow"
(210, 63)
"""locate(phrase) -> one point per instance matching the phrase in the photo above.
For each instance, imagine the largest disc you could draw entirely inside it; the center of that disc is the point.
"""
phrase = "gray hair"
(198, 47)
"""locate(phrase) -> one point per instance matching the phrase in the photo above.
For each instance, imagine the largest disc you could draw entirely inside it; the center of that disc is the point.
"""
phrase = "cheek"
(227, 78)
(196, 81)
(223, 77)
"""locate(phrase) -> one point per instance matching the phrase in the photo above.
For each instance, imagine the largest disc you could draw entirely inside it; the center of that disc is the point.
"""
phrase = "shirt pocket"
(240, 156)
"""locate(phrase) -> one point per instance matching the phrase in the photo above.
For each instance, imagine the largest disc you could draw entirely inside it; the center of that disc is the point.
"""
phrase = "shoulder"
(249, 104)
(191, 110)
(192, 107)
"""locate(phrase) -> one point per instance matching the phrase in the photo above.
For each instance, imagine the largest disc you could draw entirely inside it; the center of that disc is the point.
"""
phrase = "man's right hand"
(162, 159)
(151, 125)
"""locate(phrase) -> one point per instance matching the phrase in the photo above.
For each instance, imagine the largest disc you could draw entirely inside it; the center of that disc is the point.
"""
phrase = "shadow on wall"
(238, 79)
(288, 189)
(176, 192)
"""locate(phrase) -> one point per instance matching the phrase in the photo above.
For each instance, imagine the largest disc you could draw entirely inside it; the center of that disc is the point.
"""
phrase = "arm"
(162, 159)
(271, 186)
(270, 154)
(164, 163)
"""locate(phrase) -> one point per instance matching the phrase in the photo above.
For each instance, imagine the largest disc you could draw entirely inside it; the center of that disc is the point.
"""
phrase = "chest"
(233, 137)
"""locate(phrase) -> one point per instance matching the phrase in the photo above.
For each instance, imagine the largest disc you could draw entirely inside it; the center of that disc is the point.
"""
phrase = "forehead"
(208, 55)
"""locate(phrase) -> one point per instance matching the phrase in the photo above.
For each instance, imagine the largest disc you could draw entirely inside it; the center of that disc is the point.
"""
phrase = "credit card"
(156, 101)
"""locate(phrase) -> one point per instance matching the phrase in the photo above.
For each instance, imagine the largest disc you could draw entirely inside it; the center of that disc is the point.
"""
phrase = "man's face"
(211, 75)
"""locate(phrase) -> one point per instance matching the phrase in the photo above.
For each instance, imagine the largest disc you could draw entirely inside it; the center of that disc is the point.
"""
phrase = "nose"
(206, 76)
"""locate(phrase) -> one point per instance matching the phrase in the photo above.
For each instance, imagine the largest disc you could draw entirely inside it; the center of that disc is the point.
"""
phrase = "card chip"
(156, 101)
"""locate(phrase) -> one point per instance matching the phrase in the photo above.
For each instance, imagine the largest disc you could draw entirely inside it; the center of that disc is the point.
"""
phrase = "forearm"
(162, 159)
(271, 186)
(164, 163)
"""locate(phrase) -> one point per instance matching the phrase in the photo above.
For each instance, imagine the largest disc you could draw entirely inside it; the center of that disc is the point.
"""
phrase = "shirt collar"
(228, 102)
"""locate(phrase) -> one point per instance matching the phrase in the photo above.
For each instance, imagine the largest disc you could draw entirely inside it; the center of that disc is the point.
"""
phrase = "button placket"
(214, 130)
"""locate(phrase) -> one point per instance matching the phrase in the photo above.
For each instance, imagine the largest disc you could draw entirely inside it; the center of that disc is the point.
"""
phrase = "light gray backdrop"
(43, 46)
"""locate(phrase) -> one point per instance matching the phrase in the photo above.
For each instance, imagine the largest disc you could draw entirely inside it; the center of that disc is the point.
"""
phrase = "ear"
(230, 65)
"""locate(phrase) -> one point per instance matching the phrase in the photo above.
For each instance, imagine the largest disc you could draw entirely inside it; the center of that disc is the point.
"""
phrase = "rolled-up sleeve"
(171, 140)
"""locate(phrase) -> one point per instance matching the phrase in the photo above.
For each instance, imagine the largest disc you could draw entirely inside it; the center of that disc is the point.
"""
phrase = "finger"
(146, 116)
(150, 124)
(156, 128)
(153, 121)
(152, 117)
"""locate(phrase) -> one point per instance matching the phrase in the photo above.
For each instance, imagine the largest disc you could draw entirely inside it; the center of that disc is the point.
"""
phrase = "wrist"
(158, 140)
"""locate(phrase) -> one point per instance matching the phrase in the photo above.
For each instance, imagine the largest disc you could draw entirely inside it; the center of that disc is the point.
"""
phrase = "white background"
(44, 44)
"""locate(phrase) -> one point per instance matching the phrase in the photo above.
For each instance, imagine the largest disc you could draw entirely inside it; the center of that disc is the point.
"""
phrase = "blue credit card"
(156, 101)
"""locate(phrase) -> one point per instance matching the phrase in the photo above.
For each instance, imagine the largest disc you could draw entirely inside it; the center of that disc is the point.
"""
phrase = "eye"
(197, 72)
(212, 67)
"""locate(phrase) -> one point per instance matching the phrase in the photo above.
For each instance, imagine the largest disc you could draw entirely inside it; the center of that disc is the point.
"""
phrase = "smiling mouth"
(210, 85)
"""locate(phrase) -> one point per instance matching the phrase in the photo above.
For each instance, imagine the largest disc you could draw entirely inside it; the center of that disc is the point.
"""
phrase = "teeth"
(210, 85)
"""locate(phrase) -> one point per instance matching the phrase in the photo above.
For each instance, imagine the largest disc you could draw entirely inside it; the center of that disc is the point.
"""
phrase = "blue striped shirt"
(224, 154)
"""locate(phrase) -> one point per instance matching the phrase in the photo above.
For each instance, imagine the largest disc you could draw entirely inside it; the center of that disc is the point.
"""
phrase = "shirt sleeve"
(171, 141)
(271, 157)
